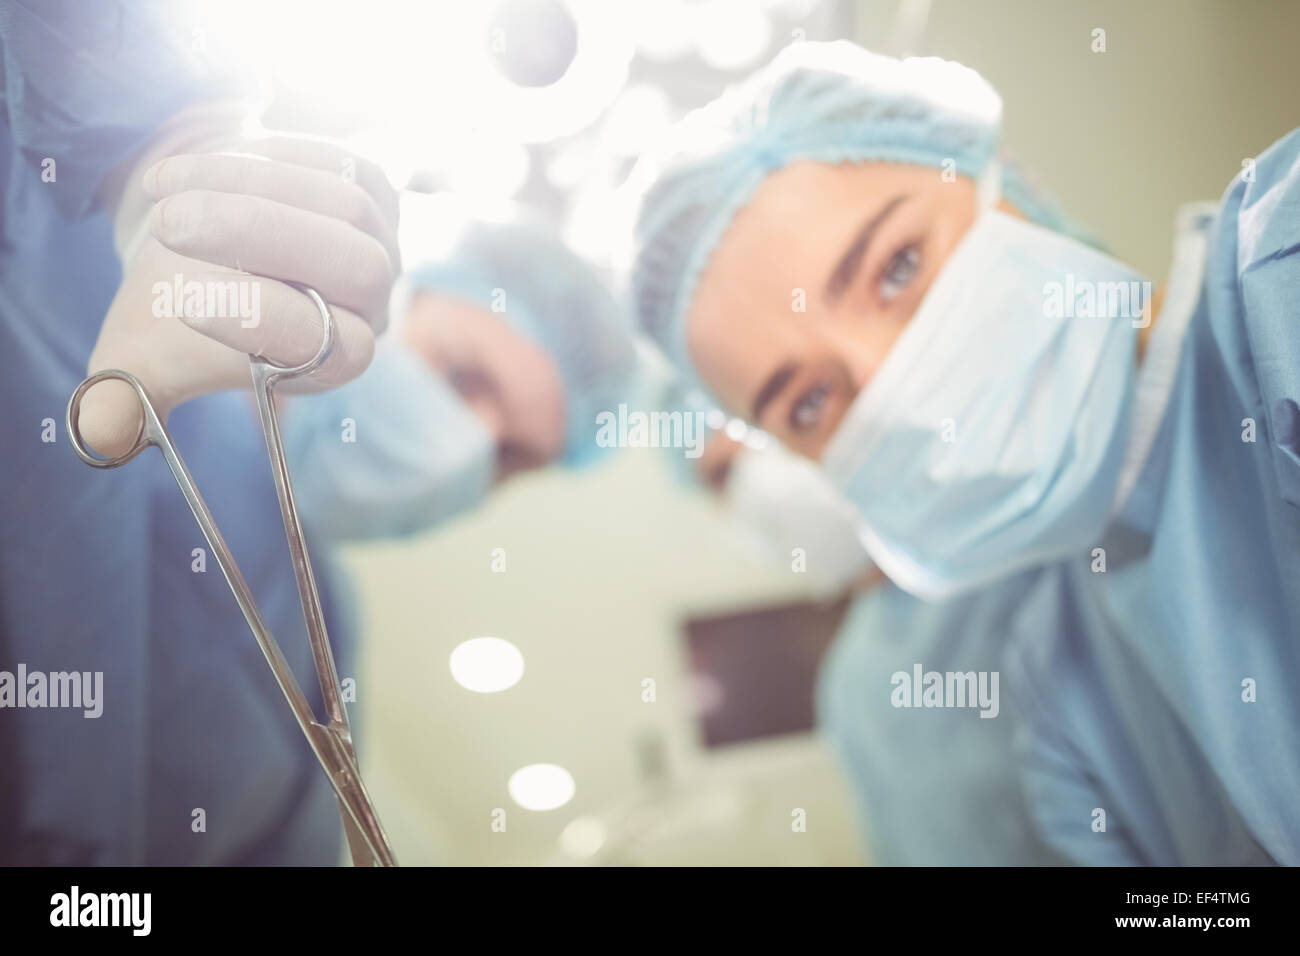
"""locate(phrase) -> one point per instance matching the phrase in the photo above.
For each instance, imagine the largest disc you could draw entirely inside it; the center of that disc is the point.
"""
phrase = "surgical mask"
(991, 437)
(794, 516)
(394, 452)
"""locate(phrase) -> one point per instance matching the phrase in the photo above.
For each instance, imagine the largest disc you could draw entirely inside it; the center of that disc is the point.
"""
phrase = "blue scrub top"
(1138, 700)
(96, 568)
(933, 786)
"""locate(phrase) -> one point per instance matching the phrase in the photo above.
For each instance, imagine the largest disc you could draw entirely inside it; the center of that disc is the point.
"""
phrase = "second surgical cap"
(549, 295)
(819, 102)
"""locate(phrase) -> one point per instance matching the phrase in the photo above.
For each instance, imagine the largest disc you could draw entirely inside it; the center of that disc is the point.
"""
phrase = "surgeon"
(932, 788)
(126, 163)
(504, 349)
(838, 254)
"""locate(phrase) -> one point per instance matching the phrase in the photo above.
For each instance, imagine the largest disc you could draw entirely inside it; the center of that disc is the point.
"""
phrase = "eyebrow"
(772, 388)
(847, 269)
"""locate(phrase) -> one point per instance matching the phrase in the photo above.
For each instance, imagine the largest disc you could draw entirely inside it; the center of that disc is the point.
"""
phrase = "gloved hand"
(282, 208)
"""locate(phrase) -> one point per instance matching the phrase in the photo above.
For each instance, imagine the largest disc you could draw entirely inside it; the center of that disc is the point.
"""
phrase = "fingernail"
(158, 220)
(150, 181)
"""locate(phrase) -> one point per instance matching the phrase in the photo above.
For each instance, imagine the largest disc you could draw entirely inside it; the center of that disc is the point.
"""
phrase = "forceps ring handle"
(274, 371)
(151, 427)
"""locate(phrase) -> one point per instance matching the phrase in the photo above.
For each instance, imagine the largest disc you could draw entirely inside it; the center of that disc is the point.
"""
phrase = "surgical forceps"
(331, 741)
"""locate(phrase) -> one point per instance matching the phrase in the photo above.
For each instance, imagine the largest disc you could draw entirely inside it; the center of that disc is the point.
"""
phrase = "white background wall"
(1185, 91)
(598, 566)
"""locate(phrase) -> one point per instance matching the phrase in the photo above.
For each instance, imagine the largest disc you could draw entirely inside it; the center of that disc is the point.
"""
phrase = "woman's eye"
(807, 410)
(899, 271)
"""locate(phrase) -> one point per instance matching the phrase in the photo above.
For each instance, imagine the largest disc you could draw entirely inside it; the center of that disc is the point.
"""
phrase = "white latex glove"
(282, 208)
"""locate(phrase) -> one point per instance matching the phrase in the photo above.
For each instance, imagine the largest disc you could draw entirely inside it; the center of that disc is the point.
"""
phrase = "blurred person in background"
(505, 348)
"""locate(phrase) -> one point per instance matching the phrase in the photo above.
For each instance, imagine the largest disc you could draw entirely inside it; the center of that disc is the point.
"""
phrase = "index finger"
(329, 155)
(305, 187)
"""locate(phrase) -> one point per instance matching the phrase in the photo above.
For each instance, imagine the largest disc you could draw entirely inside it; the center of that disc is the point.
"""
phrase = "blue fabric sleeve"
(87, 84)
(1268, 270)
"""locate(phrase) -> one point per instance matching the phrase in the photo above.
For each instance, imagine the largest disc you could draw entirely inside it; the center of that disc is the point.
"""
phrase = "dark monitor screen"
(753, 671)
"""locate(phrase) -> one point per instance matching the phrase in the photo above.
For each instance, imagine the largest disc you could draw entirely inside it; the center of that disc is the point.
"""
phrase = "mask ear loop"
(988, 188)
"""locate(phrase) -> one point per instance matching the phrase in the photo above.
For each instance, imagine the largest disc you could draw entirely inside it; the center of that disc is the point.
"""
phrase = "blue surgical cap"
(552, 297)
(820, 102)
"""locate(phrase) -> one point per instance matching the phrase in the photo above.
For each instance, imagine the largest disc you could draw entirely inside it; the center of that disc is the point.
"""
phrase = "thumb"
(110, 418)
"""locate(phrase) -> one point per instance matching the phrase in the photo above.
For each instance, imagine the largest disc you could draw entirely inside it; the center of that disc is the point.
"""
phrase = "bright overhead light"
(583, 838)
(491, 102)
(541, 786)
(640, 116)
(486, 664)
(731, 34)
(418, 83)
(662, 28)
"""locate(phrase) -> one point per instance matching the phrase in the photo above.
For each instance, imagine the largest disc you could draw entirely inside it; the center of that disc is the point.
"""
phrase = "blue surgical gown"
(933, 786)
(97, 567)
(1164, 693)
